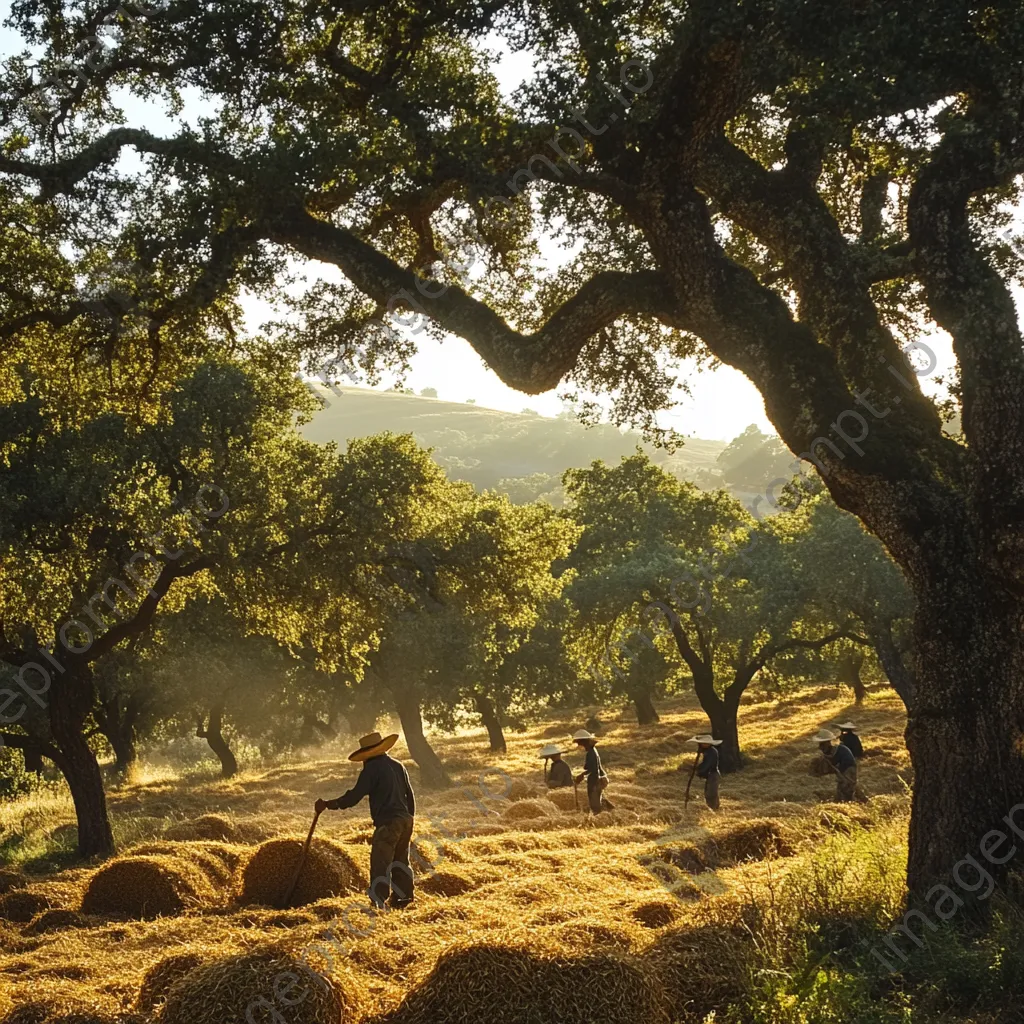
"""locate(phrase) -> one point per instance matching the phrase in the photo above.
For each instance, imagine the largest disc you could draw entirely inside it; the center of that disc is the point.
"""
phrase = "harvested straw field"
(528, 910)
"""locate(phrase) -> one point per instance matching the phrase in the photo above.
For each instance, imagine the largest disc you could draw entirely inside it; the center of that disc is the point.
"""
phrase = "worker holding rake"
(706, 768)
(392, 808)
(843, 763)
(597, 779)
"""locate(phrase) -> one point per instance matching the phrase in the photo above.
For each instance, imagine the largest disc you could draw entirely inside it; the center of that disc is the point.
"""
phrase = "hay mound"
(229, 990)
(54, 921)
(217, 861)
(819, 767)
(446, 883)
(10, 880)
(524, 810)
(564, 799)
(146, 887)
(329, 871)
(656, 914)
(512, 985)
(753, 840)
(588, 934)
(208, 826)
(158, 979)
(21, 905)
(64, 1011)
(519, 789)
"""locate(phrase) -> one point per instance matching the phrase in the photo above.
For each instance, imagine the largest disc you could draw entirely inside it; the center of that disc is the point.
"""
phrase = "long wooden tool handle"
(576, 793)
(302, 862)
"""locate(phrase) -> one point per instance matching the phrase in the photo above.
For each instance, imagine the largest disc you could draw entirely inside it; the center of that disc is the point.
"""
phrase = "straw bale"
(753, 840)
(656, 913)
(565, 798)
(701, 970)
(10, 880)
(525, 810)
(207, 826)
(514, 984)
(57, 920)
(446, 883)
(329, 870)
(216, 860)
(228, 990)
(161, 976)
(520, 789)
(21, 905)
(65, 1011)
(146, 887)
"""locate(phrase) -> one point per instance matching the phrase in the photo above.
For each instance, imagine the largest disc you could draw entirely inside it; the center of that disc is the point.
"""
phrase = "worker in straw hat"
(849, 738)
(707, 767)
(597, 779)
(392, 808)
(843, 763)
(560, 773)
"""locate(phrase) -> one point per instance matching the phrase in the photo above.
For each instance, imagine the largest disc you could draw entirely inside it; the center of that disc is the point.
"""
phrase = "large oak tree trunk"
(965, 728)
(71, 699)
(432, 771)
(724, 717)
(646, 713)
(217, 743)
(849, 672)
(489, 716)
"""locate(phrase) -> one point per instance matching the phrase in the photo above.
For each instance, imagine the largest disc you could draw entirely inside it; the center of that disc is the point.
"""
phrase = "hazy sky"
(722, 402)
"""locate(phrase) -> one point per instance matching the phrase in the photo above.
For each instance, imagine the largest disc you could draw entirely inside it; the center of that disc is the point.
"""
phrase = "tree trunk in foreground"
(432, 772)
(71, 699)
(646, 713)
(965, 728)
(215, 740)
(489, 716)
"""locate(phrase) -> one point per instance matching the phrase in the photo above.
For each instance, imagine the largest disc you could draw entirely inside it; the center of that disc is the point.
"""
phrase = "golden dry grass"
(636, 906)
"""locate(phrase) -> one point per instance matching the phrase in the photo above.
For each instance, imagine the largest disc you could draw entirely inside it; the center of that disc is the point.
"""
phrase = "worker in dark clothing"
(707, 769)
(849, 738)
(843, 762)
(392, 808)
(560, 774)
(597, 779)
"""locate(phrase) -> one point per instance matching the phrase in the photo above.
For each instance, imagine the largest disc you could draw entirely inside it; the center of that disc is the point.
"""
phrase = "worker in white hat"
(560, 774)
(849, 738)
(843, 763)
(707, 767)
(597, 779)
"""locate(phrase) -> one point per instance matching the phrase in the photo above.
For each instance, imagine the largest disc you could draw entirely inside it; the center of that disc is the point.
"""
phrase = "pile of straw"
(21, 905)
(519, 789)
(216, 860)
(63, 1011)
(329, 870)
(159, 979)
(753, 840)
(657, 913)
(525, 810)
(208, 826)
(446, 883)
(229, 991)
(54, 921)
(515, 984)
(10, 880)
(565, 799)
(819, 767)
(146, 887)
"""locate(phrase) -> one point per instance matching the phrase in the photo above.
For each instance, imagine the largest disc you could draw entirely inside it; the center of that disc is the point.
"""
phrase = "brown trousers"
(846, 785)
(711, 790)
(595, 797)
(390, 873)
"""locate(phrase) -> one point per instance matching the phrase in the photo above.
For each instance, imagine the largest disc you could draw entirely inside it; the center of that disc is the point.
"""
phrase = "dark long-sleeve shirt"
(852, 740)
(592, 766)
(708, 762)
(842, 758)
(560, 775)
(386, 782)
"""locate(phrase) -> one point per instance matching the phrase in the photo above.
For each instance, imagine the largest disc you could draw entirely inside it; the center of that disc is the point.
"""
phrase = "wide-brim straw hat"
(581, 734)
(824, 736)
(372, 745)
(705, 738)
(550, 750)
(848, 726)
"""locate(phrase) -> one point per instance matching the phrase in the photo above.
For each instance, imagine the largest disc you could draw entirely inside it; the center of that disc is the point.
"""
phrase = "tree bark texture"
(432, 770)
(217, 743)
(492, 723)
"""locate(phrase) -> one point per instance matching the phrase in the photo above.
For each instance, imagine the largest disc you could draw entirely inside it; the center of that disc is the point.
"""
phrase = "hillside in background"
(521, 454)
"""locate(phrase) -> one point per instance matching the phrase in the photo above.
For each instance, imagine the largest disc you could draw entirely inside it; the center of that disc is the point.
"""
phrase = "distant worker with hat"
(843, 763)
(392, 808)
(597, 779)
(849, 738)
(707, 767)
(560, 774)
